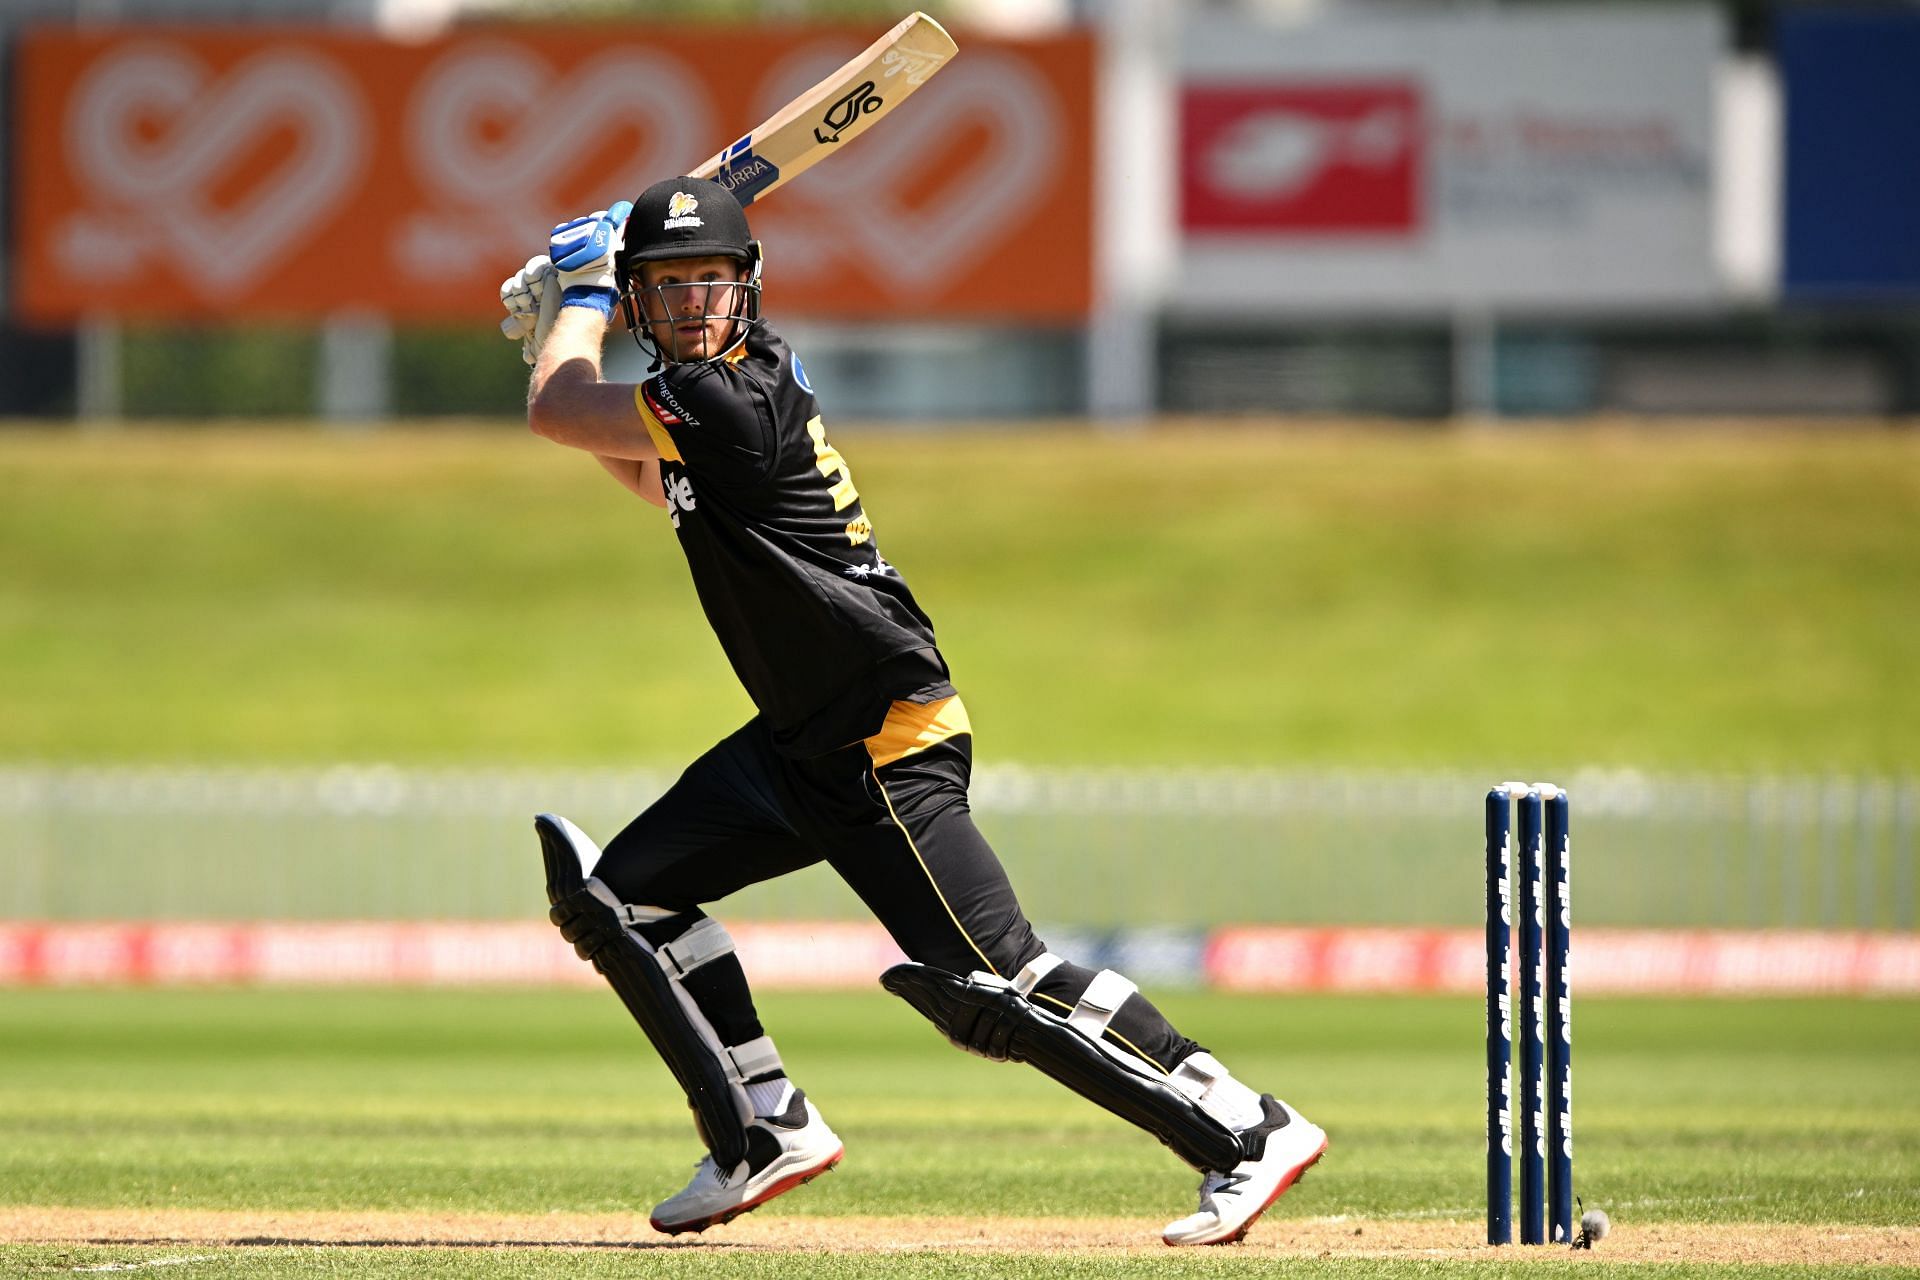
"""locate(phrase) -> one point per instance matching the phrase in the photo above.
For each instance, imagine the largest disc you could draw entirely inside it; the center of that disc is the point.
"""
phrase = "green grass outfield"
(1659, 596)
(1692, 1114)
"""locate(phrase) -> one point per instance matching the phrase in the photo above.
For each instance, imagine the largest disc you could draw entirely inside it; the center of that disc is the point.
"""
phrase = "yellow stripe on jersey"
(913, 726)
(661, 440)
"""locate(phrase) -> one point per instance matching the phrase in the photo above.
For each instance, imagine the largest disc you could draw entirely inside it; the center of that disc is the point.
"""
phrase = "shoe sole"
(781, 1187)
(1285, 1184)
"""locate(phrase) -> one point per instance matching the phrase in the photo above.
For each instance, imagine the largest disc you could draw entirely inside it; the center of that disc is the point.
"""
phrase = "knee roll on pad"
(648, 980)
(993, 1017)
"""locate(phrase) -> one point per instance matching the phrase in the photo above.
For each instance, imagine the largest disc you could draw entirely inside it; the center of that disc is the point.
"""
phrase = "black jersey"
(821, 630)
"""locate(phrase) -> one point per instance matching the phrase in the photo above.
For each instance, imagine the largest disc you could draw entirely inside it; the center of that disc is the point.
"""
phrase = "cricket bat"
(834, 112)
(811, 127)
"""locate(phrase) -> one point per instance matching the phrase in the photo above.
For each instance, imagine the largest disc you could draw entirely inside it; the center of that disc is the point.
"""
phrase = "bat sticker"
(861, 99)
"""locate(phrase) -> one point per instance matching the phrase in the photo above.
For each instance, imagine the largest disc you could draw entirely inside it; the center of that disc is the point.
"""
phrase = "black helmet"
(686, 218)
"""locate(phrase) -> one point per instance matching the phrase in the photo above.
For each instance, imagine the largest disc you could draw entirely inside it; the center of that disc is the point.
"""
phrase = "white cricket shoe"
(1284, 1147)
(782, 1152)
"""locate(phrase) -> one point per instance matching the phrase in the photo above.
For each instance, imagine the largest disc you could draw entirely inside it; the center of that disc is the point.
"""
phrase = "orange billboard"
(185, 175)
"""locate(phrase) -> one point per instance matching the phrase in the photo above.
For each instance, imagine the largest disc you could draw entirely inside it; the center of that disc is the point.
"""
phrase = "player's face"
(690, 304)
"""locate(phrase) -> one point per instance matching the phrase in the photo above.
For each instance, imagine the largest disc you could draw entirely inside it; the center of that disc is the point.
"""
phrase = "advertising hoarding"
(1447, 160)
(197, 174)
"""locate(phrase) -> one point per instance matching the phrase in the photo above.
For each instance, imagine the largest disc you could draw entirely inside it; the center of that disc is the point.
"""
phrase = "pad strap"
(705, 942)
(631, 915)
(1037, 968)
(753, 1059)
(1196, 1075)
(1099, 1002)
(1203, 1078)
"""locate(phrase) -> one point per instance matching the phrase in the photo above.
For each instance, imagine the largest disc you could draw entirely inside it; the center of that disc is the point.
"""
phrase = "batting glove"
(582, 252)
(532, 299)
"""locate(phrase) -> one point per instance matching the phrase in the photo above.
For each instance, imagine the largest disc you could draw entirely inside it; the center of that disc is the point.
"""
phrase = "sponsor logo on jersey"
(664, 407)
(679, 490)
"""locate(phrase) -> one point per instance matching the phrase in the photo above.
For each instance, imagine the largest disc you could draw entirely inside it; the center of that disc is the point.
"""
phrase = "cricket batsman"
(859, 754)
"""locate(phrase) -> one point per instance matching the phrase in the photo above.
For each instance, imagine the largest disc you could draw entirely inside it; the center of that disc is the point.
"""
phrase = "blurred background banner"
(183, 174)
(844, 955)
(1437, 160)
(1852, 81)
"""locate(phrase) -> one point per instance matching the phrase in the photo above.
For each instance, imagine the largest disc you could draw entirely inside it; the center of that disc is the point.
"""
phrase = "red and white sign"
(190, 173)
(397, 953)
(1318, 157)
(1601, 962)
(1428, 159)
(852, 954)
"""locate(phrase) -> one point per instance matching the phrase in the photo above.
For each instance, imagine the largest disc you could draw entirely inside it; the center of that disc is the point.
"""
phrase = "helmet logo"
(680, 212)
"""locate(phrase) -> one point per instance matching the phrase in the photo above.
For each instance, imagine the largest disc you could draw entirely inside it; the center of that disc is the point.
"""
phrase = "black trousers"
(901, 835)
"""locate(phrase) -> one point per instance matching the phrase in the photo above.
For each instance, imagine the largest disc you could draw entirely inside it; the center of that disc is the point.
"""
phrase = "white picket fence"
(1092, 848)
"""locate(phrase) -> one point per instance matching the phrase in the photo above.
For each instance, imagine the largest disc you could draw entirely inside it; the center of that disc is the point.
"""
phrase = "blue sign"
(1852, 85)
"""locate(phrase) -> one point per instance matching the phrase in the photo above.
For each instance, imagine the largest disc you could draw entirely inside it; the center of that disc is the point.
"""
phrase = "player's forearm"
(643, 478)
(569, 404)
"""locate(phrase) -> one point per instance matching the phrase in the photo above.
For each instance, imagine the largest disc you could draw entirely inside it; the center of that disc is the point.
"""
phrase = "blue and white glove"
(582, 252)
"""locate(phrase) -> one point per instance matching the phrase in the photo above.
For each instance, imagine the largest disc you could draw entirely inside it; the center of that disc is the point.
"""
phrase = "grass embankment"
(1670, 598)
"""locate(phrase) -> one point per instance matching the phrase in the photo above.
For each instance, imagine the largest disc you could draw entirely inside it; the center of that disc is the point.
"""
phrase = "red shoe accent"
(786, 1184)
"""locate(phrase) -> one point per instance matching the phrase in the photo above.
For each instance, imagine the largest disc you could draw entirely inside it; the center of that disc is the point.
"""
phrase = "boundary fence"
(1091, 849)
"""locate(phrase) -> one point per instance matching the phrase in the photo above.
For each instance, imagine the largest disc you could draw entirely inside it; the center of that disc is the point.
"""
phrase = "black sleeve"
(716, 418)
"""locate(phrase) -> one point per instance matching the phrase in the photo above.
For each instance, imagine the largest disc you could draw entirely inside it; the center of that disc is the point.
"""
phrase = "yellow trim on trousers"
(915, 726)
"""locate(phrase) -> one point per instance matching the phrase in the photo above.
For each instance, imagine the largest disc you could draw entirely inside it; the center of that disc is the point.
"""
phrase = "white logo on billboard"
(1274, 154)
(855, 209)
(495, 135)
(158, 191)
